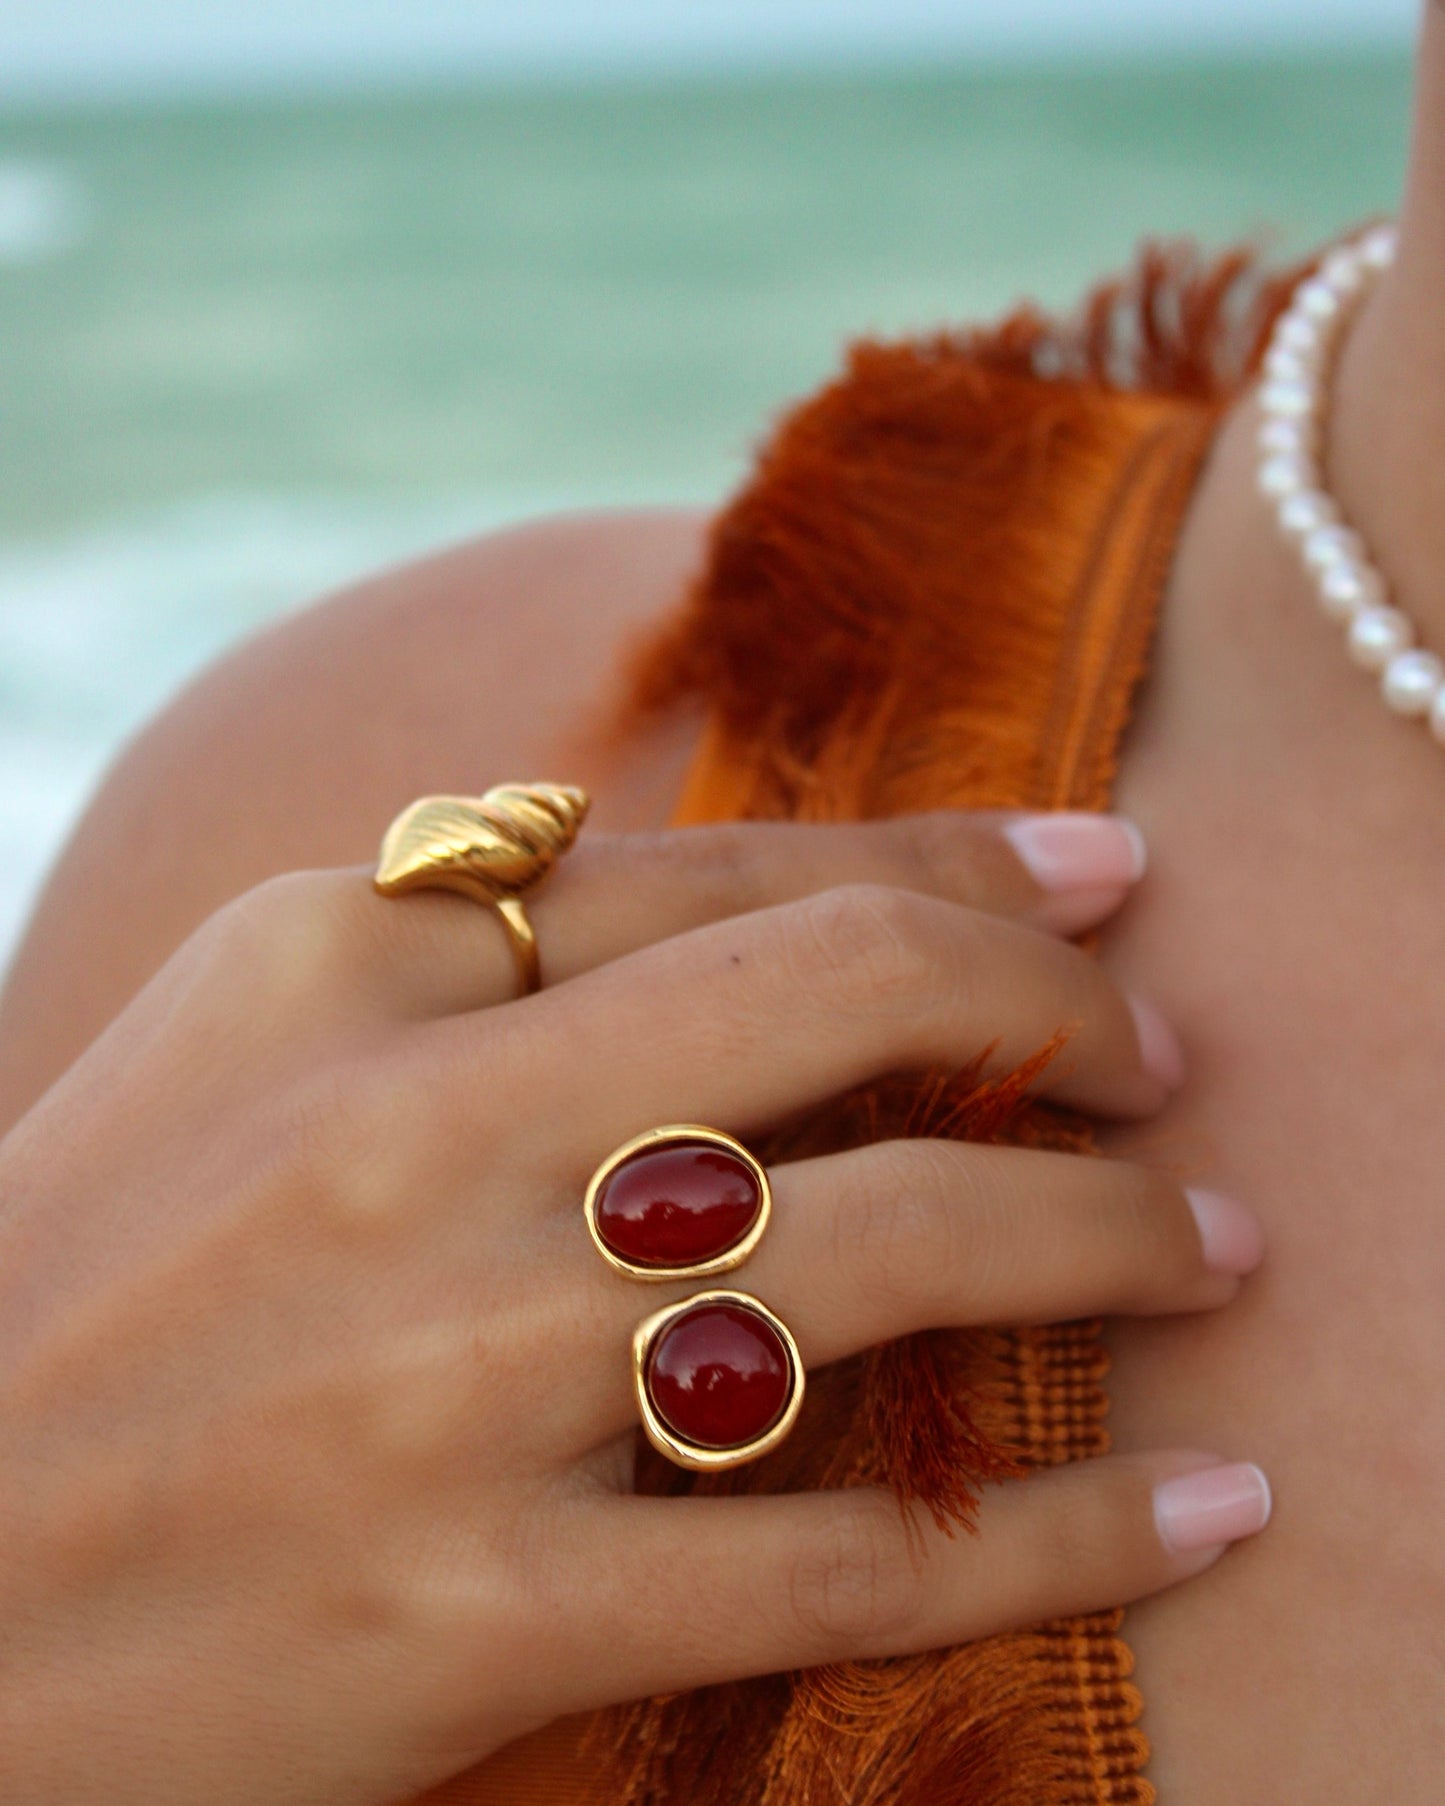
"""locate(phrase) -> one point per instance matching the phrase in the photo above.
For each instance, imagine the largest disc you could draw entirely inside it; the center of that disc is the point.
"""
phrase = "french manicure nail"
(1210, 1507)
(1159, 1049)
(1074, 851)
(1230, 1232)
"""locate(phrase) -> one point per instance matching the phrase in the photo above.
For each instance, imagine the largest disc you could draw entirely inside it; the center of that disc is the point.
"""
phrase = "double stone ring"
(717, 1376)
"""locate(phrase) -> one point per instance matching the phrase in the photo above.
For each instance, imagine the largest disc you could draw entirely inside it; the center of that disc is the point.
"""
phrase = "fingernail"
(1069, 851)
(1212, 1506)
(1159, 1050)
(1230, 1232)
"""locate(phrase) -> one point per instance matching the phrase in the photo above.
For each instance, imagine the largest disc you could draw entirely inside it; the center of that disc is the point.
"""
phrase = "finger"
(697, 1591)
(611, 895)
(741, 1023)
(912, 1235)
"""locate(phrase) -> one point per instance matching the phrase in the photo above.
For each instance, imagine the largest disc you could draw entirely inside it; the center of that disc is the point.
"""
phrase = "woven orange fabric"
(937, 591)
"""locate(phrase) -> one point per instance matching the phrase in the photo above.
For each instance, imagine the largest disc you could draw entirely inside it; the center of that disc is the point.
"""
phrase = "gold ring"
(718, 1380)
(493, 848)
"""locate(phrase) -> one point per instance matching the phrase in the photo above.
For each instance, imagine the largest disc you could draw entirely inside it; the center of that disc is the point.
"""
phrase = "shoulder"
(488, 661)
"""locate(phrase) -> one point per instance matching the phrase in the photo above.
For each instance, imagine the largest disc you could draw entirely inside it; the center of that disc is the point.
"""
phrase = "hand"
(316, 1427)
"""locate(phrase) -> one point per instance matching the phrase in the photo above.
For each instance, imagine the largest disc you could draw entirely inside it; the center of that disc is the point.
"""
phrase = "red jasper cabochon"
(719, 1375)
(677, 1205)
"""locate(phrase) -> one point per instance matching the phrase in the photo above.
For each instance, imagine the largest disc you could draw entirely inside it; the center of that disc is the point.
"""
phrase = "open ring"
(493, 848)
(718, 1378)
(680, 1202)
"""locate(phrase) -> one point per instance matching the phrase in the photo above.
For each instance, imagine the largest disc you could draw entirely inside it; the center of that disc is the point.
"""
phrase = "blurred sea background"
(277, 309)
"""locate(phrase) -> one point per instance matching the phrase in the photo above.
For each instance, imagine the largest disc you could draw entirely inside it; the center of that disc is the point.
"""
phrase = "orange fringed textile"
(936, 592)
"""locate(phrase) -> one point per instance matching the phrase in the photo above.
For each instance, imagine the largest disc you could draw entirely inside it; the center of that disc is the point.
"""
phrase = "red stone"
(719, 1375)
(677, 1205)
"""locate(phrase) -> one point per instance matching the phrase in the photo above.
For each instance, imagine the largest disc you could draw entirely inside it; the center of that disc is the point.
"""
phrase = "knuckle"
(283, 938)
(864, 945)
(857, 1587)
(458, 1595)
(345, 1142)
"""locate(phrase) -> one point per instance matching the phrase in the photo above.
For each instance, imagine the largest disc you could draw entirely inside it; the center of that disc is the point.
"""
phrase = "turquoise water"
(248, 350)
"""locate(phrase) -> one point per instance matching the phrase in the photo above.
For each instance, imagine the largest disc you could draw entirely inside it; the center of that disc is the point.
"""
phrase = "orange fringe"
(904, 529)
(884, 623)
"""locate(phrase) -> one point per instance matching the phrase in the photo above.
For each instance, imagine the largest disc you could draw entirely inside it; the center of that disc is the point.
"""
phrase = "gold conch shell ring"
(493, 848)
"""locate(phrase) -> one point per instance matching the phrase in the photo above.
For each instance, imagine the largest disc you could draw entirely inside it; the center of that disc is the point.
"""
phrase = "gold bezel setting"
(707, 1269)
(700, 1457)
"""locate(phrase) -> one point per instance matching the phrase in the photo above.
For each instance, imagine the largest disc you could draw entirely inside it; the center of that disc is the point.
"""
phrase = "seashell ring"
(494, 848)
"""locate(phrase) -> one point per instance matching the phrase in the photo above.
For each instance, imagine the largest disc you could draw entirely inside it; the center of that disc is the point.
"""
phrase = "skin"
(1307, 1665)
(1299, 861)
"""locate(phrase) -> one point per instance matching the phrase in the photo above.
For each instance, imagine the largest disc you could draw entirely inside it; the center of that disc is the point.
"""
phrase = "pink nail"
(1230, 1232)
(1070, 851)
(1159, 1049)
(1211, 1507)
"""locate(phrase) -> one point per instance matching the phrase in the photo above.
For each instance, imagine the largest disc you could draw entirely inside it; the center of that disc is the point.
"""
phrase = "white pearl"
(1317, 299)
(1377, 248)
(1305, 511)
(1296, 333)
(1347, 589)
(1412, 682)
(1294, 401)
(1279, 477)
(1281, 365)
(1329, 546)
(1293, 438)
(1297, 337)
(1343, 271)
(1377, 635)
(1437, 717)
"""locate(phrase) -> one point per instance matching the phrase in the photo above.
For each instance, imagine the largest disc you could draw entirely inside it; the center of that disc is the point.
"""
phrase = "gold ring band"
(494, 848)
(512, 913)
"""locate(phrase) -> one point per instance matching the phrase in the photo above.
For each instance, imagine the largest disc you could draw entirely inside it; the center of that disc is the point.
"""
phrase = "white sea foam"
(42, 212)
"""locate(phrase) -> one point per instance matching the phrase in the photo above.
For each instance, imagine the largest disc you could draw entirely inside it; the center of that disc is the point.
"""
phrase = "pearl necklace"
(1292, 400)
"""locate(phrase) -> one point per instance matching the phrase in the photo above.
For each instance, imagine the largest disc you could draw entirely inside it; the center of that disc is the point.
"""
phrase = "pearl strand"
(1292, 400)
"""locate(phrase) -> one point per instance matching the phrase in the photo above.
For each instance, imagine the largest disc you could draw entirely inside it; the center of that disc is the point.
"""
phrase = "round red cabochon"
(719, 1376)
(677, 1205)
